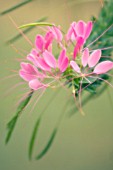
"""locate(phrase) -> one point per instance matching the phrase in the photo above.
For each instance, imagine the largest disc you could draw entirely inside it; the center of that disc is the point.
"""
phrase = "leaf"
(25, 31)
(44, 151)
(10, 127)
(15, 7)
(36, 24)
(90, 79)
(36, 128)
(31, 145)
(91, 89)
(11, 124)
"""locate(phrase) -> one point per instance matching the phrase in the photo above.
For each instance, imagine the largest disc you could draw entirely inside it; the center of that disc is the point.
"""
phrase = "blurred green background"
(82, 143)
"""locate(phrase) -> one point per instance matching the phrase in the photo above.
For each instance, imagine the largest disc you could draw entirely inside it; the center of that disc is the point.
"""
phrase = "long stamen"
(99, 36)
(21, 32)
(13, 87)
(107, 82)
(17, 50)
(106, 48)
(8, 77)
(39, 97)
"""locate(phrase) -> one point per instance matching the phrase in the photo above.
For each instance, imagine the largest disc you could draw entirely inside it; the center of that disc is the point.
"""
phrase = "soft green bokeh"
(82, 143)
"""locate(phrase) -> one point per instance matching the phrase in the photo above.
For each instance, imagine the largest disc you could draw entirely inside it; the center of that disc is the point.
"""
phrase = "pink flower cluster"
(45, 65)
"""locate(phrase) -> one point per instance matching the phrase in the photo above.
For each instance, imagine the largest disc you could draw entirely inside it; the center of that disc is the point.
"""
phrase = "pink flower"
(44, 43)
(38, 61)
(92, 60)
(47, 61)
(79, 29)
(56, 33)
(62, 62)
(30, 73)
(78, 32)
(32, 56)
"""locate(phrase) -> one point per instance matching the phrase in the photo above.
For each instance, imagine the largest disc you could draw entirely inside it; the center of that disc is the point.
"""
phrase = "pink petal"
(63, 61)
(58, 33)
(24, 66)
(73, 26)
(29, 72)
(35, 84)
(50, 48)
(48, 39)
(71, 34)
(76, 50)
(88, 29)
(73, 37)
(85, 56)
(64, 65)
(78, 46)
(34, 52)
(31, 58)
(49, 59)
(94, 58)
(103, 67)
(61, 57)
(75, 66)
(80, 28)
(26, 76)
(39, 42)
(42, 64)
(28, 68)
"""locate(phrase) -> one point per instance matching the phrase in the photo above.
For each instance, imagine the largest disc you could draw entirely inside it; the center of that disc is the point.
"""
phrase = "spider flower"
(79, 29)
(56, 33)
(47, 65)
(31, 74)
(91, 60)
(44, 43)
(47, 61)
(78, 33)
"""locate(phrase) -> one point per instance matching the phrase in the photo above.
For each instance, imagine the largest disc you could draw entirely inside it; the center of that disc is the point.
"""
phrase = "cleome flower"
(47, 61)
(56, 33)
(46, 68)
(47, 64)
(31, 74)
(79, 29)
(78, 33)
(44, 43)
(90, 61)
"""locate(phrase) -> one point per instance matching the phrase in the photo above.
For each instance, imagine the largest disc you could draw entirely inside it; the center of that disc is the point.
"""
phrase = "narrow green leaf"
(32, 141)
(18, 36)
(47, 147)
(91, 80)
(36, 24)
(11, 124)
(15, 7)
(10, 127)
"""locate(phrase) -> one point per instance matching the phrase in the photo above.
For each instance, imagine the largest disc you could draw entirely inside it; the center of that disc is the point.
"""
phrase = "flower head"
(47, 69)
